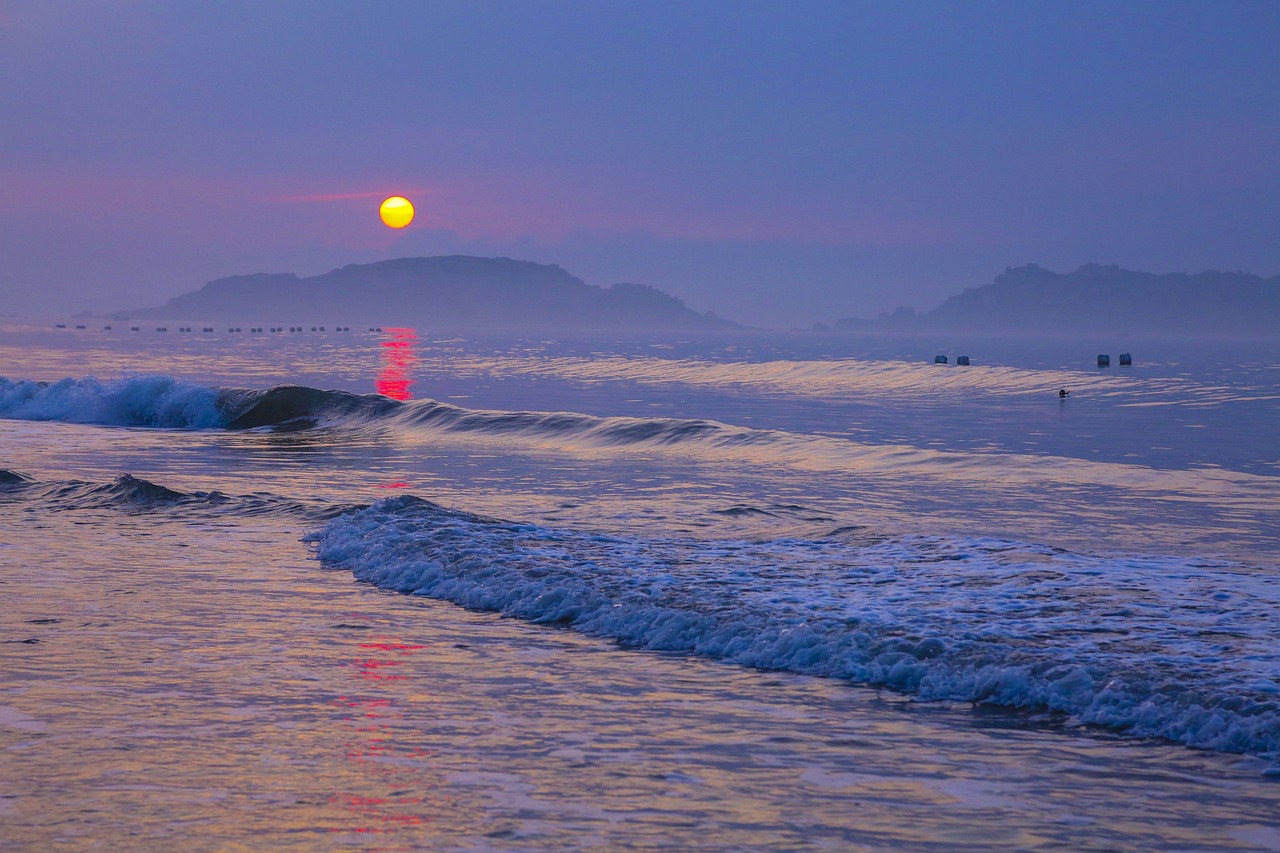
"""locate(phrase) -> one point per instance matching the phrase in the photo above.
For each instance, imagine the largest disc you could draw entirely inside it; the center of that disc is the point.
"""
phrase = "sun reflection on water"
(374, 749)
(399, 356)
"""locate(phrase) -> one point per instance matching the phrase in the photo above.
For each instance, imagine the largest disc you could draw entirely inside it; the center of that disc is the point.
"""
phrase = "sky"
(777, 163)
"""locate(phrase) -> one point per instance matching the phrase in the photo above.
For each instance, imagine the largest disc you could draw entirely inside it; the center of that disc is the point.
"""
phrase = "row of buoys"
(1126, 360)
(960, 359)
(232, 329)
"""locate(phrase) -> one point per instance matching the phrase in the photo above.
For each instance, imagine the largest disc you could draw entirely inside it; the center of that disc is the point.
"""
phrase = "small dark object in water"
(135, 329)
(106, 328)
(962, 359)
(79, 327)
(1063, 392)
(64, 325)
(1104, 361)
(939, 359)
(1126, 360)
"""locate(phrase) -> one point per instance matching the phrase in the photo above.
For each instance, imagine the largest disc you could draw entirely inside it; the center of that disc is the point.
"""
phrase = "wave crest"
(147, 401)
(976, 620)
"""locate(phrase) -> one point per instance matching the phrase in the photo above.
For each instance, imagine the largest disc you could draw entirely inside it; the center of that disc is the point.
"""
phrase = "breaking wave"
(1156, 647)
(166, 402)
(143, 401)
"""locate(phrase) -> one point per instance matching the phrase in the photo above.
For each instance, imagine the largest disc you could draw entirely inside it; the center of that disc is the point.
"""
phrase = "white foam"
(1139, 645)
(152, 401)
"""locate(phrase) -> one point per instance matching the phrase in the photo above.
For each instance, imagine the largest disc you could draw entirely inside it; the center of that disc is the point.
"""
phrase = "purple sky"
(779, 163)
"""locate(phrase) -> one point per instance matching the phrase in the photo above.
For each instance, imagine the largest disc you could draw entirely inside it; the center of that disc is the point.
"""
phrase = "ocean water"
(732, 591)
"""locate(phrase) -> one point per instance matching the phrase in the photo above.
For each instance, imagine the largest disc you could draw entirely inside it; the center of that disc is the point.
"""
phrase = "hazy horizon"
(779, 166)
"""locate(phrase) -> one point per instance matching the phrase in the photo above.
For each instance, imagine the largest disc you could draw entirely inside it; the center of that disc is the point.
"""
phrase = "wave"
(144, 401)
(857, 379)
(11, 480)
(134, 494)
(849, 379)
(298, 407)
(1155, 647)
(165, 402)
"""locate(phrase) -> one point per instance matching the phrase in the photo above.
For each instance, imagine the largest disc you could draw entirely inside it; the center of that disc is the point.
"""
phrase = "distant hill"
(1102, 298)
(453, 291)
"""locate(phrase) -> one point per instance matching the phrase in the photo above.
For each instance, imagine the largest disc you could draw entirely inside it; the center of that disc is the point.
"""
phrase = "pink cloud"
(323, 197)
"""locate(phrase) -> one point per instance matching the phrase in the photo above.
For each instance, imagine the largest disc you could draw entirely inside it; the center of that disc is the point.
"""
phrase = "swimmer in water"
(1063, 392)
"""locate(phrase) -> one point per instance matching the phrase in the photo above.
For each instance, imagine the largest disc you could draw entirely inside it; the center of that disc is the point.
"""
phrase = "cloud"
(324, 197)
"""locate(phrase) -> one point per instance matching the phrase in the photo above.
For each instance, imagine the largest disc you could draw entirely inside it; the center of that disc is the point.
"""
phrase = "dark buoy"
(939, 359)
(1126, 360)
(962, 359)
(1104, 361)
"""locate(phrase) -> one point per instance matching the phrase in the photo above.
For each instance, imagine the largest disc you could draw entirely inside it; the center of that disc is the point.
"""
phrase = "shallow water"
(798, 504)
(205, 684)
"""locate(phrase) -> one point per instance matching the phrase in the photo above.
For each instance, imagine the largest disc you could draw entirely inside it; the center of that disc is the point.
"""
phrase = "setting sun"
(396, 212)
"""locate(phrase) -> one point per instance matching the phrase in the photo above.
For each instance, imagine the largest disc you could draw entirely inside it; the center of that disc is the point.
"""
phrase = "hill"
(1102, 298)
(454, 291)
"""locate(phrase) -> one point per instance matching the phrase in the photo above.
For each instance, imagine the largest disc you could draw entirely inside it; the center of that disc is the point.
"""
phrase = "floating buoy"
(1126, 360)
(939, 359)
(134, 329)
(1104, 360)
(962, 359)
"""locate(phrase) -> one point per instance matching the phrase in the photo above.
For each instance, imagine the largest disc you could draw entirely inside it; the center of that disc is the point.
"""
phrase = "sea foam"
(147, 401)
(1156, 647)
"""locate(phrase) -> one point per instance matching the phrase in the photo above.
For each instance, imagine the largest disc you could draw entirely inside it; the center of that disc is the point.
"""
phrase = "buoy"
(939, 359)
(1126, 360)
(962, 359)
(1104, 360)
(134, 329)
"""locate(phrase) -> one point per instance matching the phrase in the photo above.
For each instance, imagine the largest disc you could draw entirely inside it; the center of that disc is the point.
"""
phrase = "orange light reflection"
(375, 725)
(398, 360)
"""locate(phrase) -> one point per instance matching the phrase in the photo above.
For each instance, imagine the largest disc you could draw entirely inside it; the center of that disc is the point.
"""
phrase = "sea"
(410, 589)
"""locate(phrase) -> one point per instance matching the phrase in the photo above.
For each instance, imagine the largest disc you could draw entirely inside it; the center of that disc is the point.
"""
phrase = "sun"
(396, 212)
